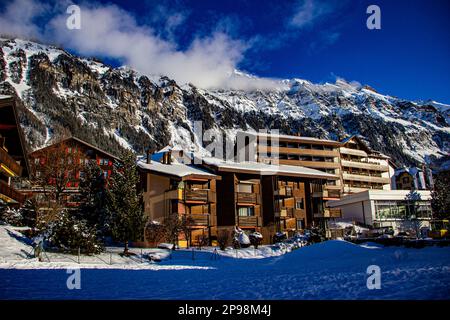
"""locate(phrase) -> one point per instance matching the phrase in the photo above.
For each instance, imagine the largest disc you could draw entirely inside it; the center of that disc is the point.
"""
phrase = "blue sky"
(314, 40)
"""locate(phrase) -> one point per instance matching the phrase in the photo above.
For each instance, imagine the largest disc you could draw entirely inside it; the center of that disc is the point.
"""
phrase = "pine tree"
(126, 216)
(440, 201)
(93, 198)
(29, 213)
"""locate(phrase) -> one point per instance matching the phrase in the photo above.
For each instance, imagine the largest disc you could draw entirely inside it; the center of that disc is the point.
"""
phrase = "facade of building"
(264, 197)
(402, 210)
(362, 168)
(75, 153)
(354, 165)
(171, 188)
(319, 154)
(13, 160)
(412, 178)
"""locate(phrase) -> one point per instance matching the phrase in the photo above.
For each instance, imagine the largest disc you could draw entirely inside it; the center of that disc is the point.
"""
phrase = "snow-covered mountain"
(64, 94)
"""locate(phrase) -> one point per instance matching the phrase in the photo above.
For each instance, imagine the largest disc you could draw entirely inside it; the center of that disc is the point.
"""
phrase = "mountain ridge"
(62, 94)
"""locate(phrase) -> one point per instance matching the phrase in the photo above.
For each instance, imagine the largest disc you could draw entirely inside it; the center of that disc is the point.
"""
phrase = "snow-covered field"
(329, 270)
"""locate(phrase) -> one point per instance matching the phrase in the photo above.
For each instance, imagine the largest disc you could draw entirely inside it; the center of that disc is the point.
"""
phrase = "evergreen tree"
(93, 198)
(70, 234)
(29, 213)
(440, 201)
(126, 216)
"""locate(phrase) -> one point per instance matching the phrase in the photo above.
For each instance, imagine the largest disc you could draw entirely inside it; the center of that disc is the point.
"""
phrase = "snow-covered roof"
(266, 169)
(411, 170)
(175, 169)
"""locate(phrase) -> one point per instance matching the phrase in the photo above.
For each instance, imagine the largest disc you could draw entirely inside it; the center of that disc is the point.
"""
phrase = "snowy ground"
(329, 270)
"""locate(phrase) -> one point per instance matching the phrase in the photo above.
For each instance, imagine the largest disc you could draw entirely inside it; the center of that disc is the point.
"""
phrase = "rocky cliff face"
(117, 108)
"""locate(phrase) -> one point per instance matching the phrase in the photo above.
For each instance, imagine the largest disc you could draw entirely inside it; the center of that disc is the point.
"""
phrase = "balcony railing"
(285, 213)
(201, 195)
(198, 219)
(9, 162)
(327, 194)
(245, 197)
(6, 190)
(329, 213)
(284, 192)
(249, 221)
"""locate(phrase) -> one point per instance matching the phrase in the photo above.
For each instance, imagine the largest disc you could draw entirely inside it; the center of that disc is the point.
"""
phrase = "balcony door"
(246, 211)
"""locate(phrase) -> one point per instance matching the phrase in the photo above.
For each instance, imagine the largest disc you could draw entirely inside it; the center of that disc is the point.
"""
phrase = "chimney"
(167, 157)
(149, 156)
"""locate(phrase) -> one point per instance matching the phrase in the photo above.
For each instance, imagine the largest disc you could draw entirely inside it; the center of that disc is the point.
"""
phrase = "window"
(105, 174)
(81, 174)
(247, 188)
(36, 161)
(246, 211)
(299, 205)
(104, 162)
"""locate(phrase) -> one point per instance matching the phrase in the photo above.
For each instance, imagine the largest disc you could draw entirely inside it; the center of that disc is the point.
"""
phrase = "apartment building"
(62, 163)
(264, 197)
(354, 165)
(319, 154)
(408, 178)
(13, 160)
(171, 187)
(362, 168)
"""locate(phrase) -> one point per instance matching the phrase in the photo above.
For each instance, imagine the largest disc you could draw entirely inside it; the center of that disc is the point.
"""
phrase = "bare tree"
(154, 232)
(172, 227)
(54, 168)
(186, 224)
(223, 239)
(53, 171)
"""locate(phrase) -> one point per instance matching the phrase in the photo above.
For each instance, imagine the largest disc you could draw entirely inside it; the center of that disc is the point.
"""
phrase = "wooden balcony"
(192, 196)
(327, 194)
(199, 219)
(353, 152)
(285, 213)
(365, 178)
(284, 192)
(247, 198)
(329, 213)
(9, 163)
(311, 164)
(298, 151)
(249, 221)
(11, 193)
(199, 196)
(364, 165)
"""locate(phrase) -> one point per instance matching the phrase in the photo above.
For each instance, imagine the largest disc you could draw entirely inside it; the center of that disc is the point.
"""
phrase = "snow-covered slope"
(119, 107)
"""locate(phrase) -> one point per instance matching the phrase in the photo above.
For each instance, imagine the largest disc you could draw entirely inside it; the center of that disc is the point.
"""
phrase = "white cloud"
(308, 12)
(17, 18)
(109, 31)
